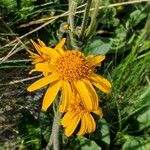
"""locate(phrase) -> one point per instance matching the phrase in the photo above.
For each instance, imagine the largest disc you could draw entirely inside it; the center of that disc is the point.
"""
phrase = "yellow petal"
(43, 67)
(90, 123)
(42, 44)
(84, 93)
(37, 59)
(33, 55)
(101, 83)
(33, 70)
(82, 130)
(72, 125)
(45, 73)
(50, 95)
(100, 79)
(42, 82)
(93, 93)
(66, 95)
(102, 87)
(67, 118)
(99, 112)
(59, 46)
(93, 123)
(95, 60)
(37, 47)
(50, 52)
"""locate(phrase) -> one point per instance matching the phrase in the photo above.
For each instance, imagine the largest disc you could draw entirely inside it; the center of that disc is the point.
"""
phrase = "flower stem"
(85, 20)
(72, 10)
(54, 138)
(73, 41)
(93, 23)
(55, 131)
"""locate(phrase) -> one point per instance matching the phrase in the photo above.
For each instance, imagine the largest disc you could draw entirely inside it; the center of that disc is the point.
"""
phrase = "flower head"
(77, 114)
(71, 71)
(72, 66)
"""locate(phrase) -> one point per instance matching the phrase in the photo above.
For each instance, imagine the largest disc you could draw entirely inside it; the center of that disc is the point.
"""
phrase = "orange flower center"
(72, 66)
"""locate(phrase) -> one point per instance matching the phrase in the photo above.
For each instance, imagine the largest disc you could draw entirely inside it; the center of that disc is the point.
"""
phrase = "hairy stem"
(55, 131)
(72, 10)
(93, 24)
(54, 138)
(84, 21)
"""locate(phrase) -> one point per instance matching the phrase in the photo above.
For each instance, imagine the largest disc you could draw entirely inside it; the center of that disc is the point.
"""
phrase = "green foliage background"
(123, 34)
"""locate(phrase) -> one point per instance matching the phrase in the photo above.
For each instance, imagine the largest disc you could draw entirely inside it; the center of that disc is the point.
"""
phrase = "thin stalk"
(54, 138)
(72, 11)
(85, 18)
(55, 131)
(93, 22)
(73, 41)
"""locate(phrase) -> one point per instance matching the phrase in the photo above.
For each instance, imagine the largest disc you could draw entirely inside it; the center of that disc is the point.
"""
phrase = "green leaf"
(135, 143)
(144, 119)
(98, 47)
(104, 131)
(86, 144)
(81, 143)
(135, 18)
(102, 135)
(119, 40)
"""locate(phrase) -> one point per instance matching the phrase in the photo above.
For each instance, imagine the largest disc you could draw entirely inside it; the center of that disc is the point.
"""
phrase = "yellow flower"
(78, 114)
(71, 71)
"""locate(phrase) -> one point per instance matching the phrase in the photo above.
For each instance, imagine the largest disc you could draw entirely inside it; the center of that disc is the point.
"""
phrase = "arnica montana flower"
(77, 114)
(71, 71)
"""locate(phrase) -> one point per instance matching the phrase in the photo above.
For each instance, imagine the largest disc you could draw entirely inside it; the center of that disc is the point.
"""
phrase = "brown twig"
(42, 20)
(117, 4)
(23, 80)
(9, 53)
(14, 48)
(34, 30)
(39, 21)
